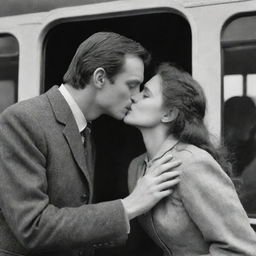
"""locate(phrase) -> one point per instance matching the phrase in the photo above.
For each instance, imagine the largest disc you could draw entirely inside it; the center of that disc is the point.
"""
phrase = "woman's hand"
(156, 184)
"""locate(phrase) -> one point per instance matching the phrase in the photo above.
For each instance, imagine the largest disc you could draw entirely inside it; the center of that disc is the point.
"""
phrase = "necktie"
(87, 140)
(88, 148)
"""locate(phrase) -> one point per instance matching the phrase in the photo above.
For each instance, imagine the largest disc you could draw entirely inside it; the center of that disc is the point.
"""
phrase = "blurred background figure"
(239, 121)
(240, 139)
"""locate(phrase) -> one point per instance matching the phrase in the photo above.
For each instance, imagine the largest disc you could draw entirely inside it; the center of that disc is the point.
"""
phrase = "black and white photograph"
(128, 128)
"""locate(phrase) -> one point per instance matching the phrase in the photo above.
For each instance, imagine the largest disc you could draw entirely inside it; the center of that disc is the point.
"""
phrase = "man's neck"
(85, 100)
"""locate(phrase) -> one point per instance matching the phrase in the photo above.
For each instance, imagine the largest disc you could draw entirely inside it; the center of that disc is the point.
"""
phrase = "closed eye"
(133, 84)
(146, 92)
(145, 95)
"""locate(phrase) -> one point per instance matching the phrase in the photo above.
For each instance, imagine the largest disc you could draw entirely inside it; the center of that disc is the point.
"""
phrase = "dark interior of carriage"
(168, 37)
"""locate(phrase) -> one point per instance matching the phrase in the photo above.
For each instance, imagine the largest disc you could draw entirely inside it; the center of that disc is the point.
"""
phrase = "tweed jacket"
(203, 216)
(45, 188)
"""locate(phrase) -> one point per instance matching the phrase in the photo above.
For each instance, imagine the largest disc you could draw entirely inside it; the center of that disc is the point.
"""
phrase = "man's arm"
(24, 200)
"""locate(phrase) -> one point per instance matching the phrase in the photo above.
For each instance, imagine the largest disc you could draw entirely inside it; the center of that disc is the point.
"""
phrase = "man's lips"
(129, 108)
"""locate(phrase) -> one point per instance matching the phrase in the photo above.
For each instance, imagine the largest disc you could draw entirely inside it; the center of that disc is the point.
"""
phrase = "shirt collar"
(167, 146)
(78, 114)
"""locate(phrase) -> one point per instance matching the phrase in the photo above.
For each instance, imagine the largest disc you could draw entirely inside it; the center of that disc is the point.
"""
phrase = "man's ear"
(170, 115)
(99, 77)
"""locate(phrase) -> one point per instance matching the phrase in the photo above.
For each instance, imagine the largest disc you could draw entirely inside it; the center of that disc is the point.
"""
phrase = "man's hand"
(156, 184)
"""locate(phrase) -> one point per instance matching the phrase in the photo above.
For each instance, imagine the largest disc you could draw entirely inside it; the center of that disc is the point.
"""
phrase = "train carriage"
(215, 40)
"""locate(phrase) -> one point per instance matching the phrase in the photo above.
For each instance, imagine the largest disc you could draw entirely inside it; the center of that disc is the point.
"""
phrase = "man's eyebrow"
(134, 82)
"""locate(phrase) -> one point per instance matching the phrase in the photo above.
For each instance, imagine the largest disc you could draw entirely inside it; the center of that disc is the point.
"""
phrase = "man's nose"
(134, 98)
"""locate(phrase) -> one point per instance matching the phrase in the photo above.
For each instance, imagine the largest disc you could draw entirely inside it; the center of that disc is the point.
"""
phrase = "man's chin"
(126, 119)
(119, 117)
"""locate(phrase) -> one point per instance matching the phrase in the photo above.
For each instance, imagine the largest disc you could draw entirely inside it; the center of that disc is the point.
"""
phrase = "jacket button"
(84, 198)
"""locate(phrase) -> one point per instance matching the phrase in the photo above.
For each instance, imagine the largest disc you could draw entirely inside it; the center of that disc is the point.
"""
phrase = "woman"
(203, 215)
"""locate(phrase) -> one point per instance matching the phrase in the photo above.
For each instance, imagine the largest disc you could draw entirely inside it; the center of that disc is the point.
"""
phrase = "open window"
(9, 55)
(239, 98)
(167, 36)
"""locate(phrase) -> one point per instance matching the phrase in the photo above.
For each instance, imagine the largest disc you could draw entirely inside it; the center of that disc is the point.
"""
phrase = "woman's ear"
(170, 115)
(99, 76)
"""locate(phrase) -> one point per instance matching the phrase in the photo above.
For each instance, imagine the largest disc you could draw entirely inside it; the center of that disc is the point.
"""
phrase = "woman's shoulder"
(197, 163)
(199, 167)
(192, 154)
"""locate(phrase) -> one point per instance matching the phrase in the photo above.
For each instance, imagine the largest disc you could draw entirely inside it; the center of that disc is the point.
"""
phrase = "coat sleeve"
(211, 201)
(25, 204)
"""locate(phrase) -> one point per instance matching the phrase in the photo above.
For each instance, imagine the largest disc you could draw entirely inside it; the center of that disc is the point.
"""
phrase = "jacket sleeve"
(25, 204)
(211, 201)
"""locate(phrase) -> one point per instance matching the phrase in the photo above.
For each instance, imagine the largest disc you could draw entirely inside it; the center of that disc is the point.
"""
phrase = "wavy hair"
(182, 92)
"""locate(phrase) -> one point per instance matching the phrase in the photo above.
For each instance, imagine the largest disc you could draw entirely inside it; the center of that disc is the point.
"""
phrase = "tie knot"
(89, 125)
(87, 129)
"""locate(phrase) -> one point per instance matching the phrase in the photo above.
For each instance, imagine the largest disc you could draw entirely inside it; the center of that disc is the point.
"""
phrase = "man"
(46, 174)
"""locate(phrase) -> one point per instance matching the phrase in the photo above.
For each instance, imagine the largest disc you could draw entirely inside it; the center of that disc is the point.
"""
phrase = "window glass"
(251, 86)
(9, 54)
(239, 94)
(233, 85)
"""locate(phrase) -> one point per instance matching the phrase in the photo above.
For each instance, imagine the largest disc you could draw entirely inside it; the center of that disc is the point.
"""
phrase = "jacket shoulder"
(31, 107)
(190, 154)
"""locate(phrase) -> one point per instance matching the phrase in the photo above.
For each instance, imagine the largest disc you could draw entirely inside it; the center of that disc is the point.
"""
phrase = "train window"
(151, 31)
(9, 53)
(167, 36)
(239, 103)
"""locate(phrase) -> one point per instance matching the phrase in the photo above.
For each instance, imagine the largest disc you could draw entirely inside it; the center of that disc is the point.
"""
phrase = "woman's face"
(147, 109)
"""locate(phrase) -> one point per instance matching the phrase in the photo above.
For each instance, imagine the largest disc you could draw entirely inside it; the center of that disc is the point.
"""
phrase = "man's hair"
(106, 50)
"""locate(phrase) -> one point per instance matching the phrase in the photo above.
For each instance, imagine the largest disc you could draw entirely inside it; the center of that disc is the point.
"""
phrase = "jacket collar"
(77, 112)
(59, 105)
(166, 147)
(63, 114)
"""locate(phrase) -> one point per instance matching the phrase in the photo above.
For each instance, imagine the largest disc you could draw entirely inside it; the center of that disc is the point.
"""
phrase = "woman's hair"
(182, 92)
(106, 50)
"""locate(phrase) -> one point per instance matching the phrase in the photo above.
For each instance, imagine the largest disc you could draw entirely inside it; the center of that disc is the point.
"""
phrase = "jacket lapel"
(73, 138)
(64, 115)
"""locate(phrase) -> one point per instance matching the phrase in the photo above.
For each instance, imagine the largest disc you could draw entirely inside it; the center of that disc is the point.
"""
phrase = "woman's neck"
(153, 139)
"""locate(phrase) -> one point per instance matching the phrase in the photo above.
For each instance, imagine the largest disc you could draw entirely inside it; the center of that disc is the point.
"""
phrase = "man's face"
(115, 98)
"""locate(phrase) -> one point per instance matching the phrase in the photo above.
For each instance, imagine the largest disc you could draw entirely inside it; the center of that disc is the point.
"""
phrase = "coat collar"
(59, 105)
(63, 115)
(166, 147)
